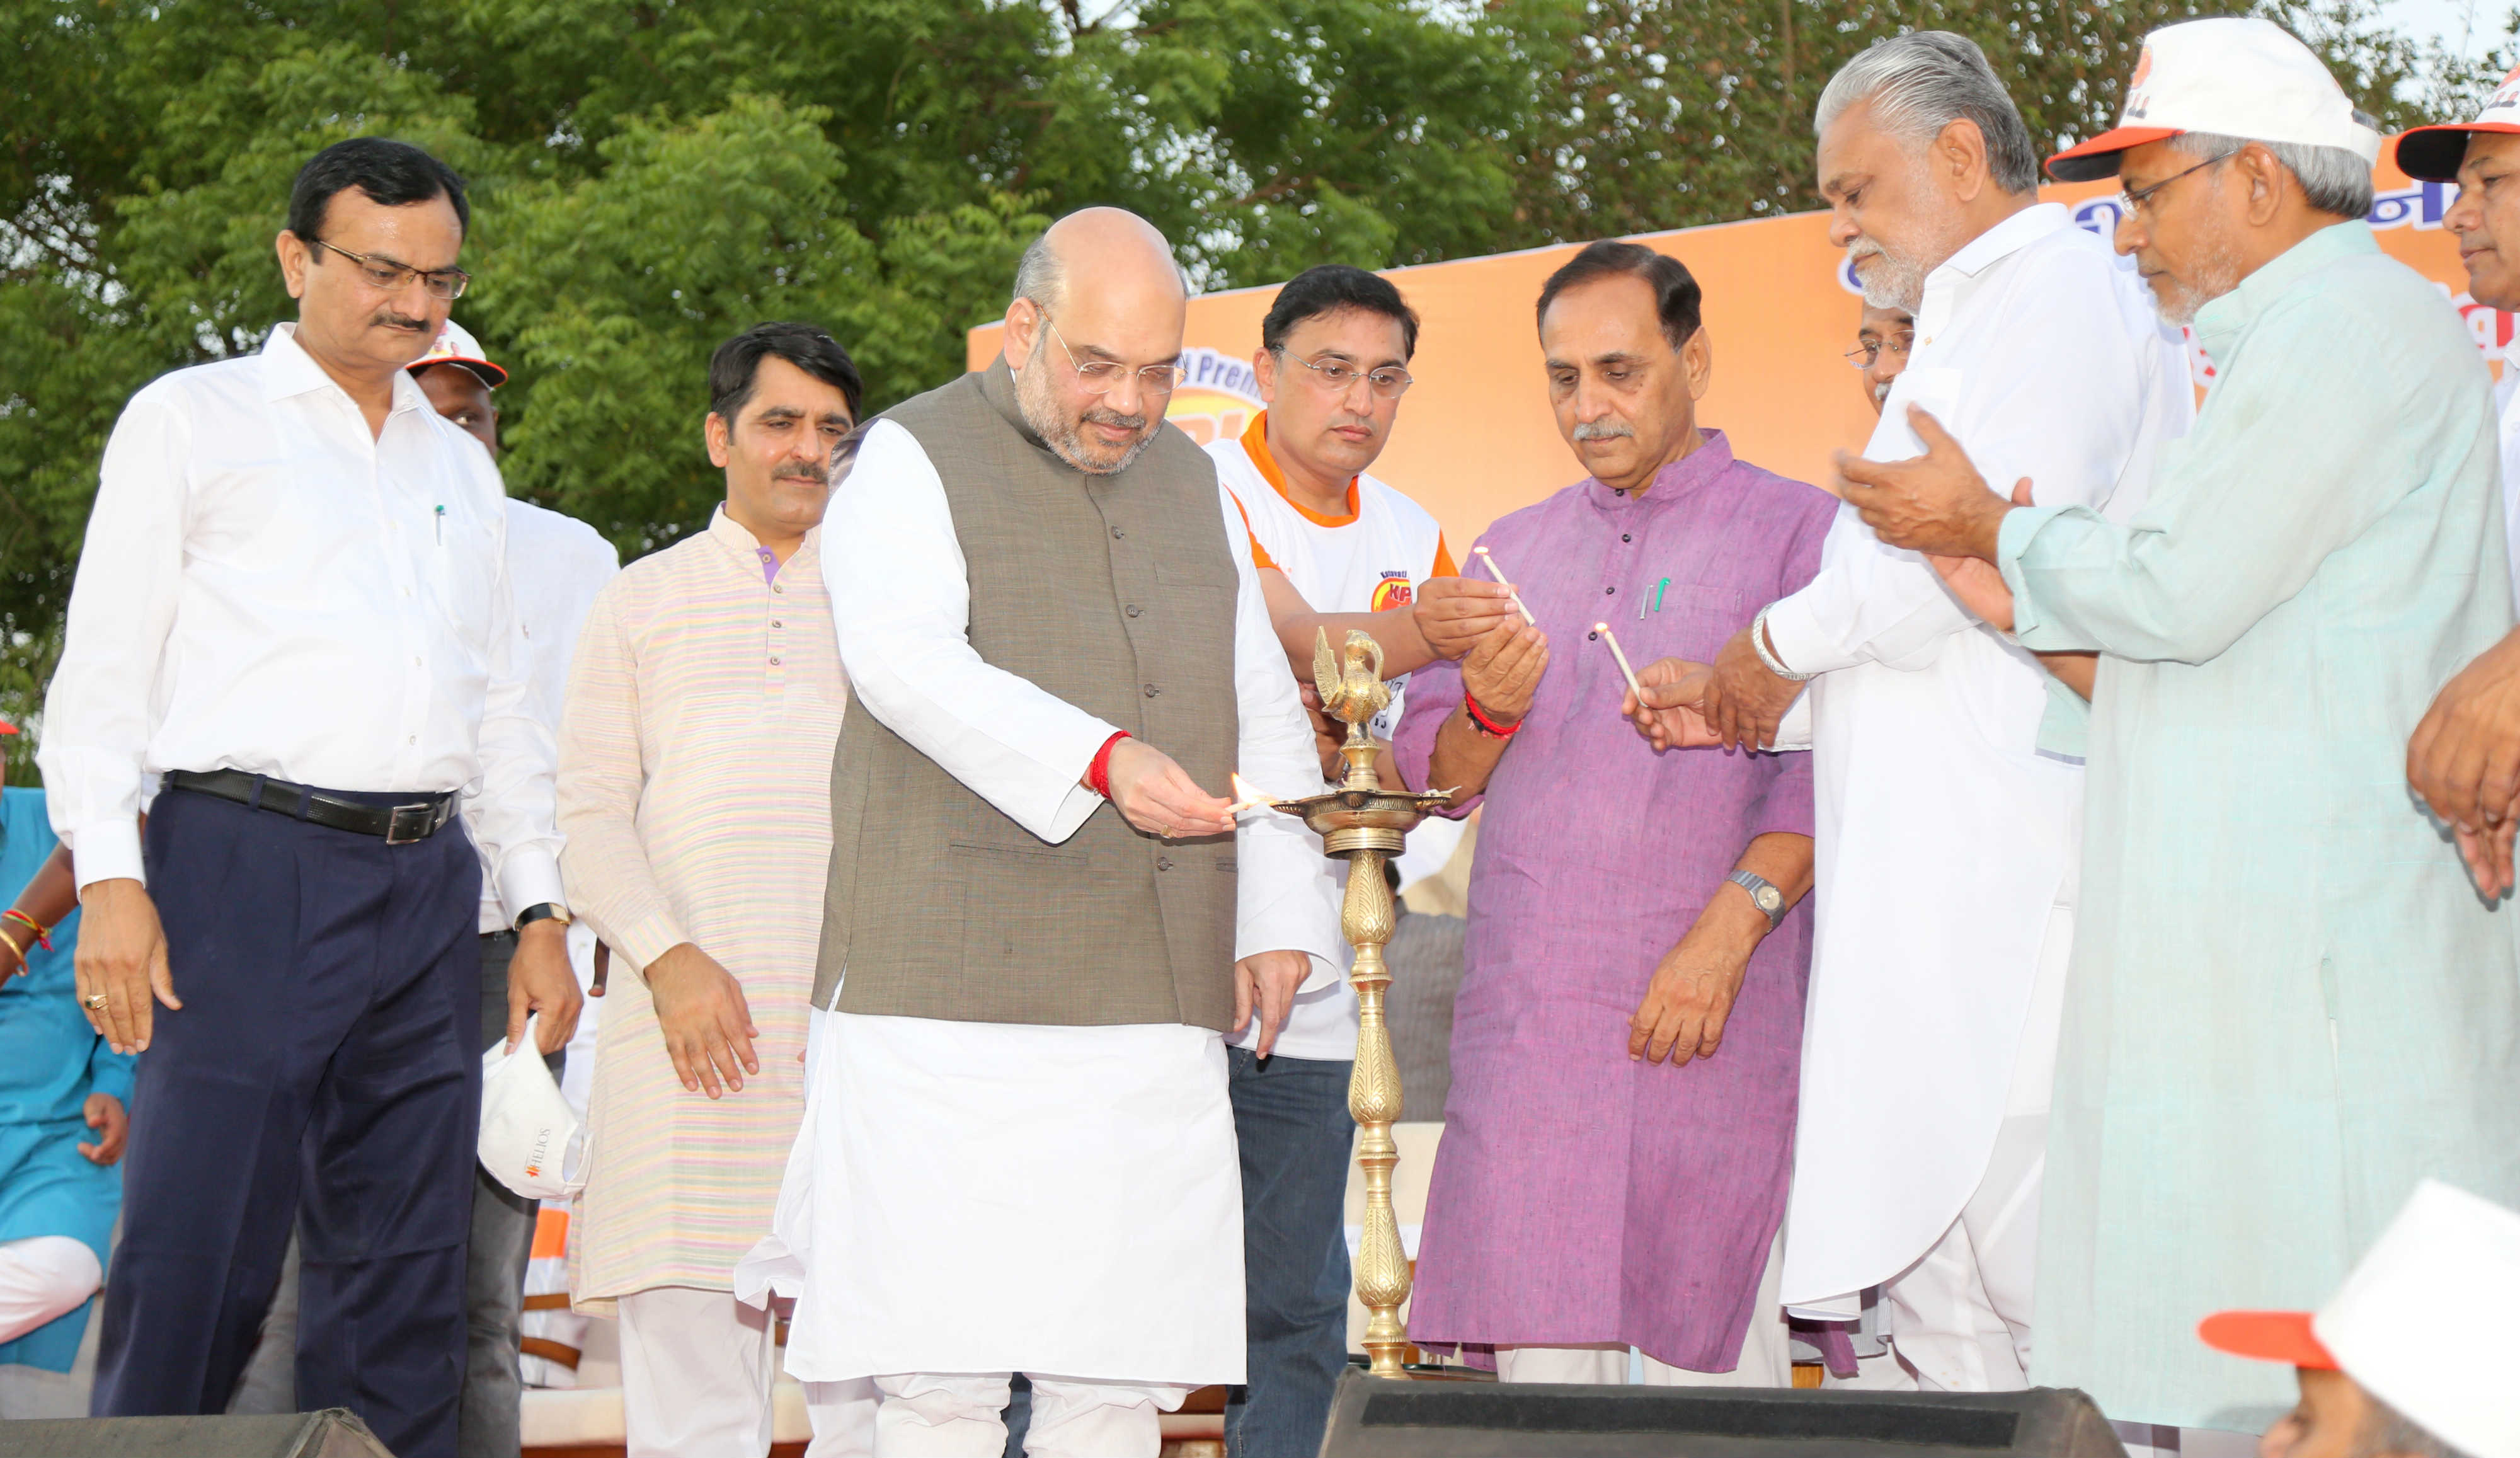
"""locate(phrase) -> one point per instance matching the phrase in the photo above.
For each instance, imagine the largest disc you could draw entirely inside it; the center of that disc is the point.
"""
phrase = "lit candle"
(1246, 797)
(1629, 674)
(1483, 555)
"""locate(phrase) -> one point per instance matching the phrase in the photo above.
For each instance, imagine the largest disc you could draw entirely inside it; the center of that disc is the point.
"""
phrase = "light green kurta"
(2286, 1004)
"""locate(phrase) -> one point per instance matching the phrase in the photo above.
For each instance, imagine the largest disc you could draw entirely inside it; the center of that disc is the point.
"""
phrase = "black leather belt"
(397, 825)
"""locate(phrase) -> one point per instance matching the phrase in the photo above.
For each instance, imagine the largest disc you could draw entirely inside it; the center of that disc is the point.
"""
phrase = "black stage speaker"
(1379, 1418)
(335, 1433)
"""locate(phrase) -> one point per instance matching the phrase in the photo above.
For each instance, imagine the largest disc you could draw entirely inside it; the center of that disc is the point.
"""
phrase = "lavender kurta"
(1580, 1197)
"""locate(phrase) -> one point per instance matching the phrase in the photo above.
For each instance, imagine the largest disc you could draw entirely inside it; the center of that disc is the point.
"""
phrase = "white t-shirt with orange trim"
(1374, 558)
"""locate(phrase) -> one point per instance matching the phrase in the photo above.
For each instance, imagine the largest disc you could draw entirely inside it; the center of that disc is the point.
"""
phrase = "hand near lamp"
(1455, 614)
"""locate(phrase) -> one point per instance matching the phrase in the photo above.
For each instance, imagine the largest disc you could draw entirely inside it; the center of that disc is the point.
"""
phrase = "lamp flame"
(1246, 796)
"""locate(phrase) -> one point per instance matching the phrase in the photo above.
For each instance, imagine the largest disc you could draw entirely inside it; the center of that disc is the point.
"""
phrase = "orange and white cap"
(456, 346)
(2432, 153)
(2427, 1309)
(2231, 78)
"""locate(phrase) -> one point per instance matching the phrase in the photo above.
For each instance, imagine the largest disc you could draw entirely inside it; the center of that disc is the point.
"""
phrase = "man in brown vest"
(1018, 1155)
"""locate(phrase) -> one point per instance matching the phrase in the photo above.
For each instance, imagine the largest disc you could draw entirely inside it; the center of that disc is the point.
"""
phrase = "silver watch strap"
(1762, 891)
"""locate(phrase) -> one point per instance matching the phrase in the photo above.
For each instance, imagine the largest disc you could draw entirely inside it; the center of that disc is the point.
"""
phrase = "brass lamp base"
(1367, 825)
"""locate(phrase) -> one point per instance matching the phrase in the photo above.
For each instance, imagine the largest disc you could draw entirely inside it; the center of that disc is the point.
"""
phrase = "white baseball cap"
(2423, 1323)
(456, 346)
(2231, 78)
(2432, 153)
(530, 1139)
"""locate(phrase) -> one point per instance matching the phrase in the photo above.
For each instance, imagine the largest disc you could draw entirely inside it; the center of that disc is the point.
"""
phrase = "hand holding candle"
(1626, 672)
(1482, 554)
(1667, 704)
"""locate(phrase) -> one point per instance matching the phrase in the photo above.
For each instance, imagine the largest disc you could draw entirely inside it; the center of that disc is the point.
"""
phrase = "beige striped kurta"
(694, 791)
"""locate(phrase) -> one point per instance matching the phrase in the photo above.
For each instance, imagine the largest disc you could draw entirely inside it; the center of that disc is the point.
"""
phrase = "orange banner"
(1475, 437)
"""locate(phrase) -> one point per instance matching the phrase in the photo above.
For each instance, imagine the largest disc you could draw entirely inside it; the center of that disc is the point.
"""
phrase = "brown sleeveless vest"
(1116, 594)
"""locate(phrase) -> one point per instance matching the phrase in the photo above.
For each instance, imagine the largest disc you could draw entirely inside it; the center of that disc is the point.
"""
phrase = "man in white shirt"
(1947, 841)
(2485, 220)
(2465, 754)
(556, 565)
(294, 621)
(1327, 540)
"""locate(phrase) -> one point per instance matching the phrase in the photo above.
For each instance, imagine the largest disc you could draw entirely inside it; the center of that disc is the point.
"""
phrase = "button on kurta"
(1151, 691)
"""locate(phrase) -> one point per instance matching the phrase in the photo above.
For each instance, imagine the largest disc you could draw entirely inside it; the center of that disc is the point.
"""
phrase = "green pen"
(441, 527)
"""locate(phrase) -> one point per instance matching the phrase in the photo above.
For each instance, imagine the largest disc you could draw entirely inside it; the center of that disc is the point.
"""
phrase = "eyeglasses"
(1337, 375)
(1862, 356)
(390, 277)
(2133, 198)
(1100, 376)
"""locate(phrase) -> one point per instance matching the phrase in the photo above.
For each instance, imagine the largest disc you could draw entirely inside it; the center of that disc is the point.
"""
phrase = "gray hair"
(1924, 82)
(1038, 275)
(2333, 179)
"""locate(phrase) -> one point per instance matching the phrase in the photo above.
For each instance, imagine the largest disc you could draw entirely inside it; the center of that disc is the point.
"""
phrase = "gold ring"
(94, 1002)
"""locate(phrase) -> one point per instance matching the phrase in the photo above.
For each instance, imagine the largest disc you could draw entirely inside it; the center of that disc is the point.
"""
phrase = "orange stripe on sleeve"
(1260, 557)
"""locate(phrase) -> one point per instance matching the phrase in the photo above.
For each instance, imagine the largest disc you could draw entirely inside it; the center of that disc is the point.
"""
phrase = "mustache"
(393, 319)
(1103, 415)
(812, 471)
(1602, 430)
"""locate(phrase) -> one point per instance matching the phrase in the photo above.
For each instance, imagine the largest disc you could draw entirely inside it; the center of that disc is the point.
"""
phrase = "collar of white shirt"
(2002, 240)
(288, 370)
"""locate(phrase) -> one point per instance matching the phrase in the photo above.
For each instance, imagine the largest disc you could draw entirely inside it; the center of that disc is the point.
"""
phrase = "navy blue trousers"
(1291, 1120)
(322, 1073)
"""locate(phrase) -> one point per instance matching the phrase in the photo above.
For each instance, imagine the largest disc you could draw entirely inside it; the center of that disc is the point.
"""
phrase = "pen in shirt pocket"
(1657, 599)
(441, 525)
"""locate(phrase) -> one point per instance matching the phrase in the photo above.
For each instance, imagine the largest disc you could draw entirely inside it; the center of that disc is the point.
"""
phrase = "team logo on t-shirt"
(1393, 591)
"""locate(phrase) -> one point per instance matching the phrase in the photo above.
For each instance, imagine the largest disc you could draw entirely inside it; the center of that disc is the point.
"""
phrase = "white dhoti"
(981, 1198)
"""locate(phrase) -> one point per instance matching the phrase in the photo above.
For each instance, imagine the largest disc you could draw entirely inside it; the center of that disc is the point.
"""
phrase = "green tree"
(1669, 114)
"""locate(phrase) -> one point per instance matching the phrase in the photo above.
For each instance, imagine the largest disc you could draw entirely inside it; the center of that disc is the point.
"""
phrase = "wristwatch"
(1763, 894)
(547, 911)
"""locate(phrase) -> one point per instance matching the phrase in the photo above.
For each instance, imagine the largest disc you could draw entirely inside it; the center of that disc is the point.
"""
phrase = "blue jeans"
(1290, 1119)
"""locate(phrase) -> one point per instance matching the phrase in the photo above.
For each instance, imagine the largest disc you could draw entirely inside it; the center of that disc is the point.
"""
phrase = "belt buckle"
(405, 823)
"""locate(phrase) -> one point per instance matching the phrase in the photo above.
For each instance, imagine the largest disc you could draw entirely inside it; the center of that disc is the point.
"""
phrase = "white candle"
(1247, 796)
(1498, 573)
(1613, 639)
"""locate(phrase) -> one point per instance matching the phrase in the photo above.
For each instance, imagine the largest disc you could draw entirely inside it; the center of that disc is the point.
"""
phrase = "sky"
(2465, 26)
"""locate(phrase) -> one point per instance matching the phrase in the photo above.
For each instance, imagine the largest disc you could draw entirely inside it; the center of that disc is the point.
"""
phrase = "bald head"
(1096, 249)
(1093, 335)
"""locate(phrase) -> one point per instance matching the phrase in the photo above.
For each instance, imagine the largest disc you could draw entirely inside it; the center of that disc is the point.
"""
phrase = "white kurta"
(975, 1197)
(1944, 838)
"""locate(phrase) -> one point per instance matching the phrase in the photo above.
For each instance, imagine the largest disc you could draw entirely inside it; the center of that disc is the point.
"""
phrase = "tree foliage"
(651, 176)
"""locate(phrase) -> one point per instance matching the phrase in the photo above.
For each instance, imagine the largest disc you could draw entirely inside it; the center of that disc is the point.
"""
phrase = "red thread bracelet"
(43, 934)
(1487, 725)
(1098, 775)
